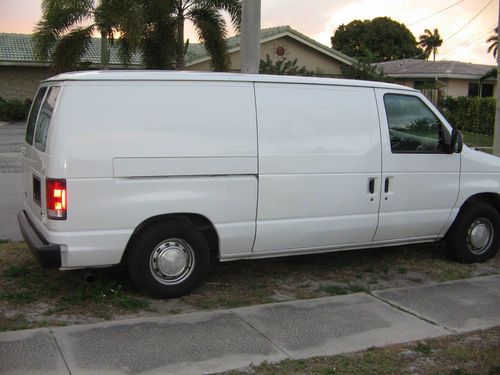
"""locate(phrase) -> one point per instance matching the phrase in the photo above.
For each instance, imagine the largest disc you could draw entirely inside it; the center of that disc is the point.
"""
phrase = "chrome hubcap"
(172, 261)
(479, 236)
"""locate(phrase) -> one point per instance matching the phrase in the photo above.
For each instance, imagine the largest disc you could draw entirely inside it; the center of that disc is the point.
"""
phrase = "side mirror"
(457, 142)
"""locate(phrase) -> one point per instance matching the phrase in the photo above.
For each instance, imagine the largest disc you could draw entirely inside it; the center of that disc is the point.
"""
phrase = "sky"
(464, 26)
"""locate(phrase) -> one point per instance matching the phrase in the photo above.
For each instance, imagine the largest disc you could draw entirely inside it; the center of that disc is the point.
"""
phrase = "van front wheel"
(169, 259)
(475, 237)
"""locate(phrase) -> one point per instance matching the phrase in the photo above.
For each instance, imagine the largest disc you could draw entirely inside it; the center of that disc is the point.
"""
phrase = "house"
(21, 71)
(453, 78)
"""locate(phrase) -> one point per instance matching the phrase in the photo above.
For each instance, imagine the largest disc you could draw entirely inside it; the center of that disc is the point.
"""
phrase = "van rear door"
(34, 151)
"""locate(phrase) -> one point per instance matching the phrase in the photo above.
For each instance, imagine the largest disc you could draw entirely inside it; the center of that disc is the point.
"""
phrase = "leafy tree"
(493, 40)
(283, 66)
(430, 41)
(380, 39)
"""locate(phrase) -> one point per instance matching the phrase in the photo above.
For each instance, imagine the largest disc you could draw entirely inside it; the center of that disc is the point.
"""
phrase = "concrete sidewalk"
(211, 342)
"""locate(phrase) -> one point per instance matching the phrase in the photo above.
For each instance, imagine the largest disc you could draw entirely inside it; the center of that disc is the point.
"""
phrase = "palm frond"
(44, 39)
(211, 30)
(492, 73)
(62, 15)
(70, 48)
(124, 16)
(159, 50)
(493, 40)
(232, 7)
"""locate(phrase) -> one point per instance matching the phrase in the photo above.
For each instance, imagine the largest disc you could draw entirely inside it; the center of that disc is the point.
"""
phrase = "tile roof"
(18, 49)
(423, 68)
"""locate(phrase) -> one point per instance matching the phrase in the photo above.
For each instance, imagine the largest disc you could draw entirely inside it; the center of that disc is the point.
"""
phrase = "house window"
(422, 85)
(486, 89)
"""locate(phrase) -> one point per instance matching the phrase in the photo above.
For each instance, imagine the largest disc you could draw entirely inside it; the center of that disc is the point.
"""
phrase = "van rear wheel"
(475, 234)
(169, 259)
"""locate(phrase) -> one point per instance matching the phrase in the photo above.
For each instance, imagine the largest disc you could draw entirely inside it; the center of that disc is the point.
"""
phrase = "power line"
(468, 22)
(439, 11)
(480, 36)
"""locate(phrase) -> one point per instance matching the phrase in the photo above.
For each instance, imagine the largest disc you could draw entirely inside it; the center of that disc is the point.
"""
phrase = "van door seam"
(258, 167)
(381, 162)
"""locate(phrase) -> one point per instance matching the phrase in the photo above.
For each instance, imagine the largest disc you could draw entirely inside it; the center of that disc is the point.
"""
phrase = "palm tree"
(430, 41)
(493, 40)
(65, 31)
(210, 26)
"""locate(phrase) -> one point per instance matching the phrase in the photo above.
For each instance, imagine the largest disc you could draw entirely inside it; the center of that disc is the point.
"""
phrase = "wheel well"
(492, 199)
(204, 225)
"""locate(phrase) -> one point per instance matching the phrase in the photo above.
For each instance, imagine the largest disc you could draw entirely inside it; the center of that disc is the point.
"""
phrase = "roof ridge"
(10, 51)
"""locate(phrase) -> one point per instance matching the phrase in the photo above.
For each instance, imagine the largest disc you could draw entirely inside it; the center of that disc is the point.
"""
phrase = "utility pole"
(496, 137)
(250, 36)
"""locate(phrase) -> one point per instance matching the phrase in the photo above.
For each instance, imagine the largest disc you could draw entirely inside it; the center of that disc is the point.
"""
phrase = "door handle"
(371, 185)
(386, 185)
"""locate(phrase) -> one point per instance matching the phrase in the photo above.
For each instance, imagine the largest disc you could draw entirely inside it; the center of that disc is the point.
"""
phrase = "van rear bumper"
(47, 254)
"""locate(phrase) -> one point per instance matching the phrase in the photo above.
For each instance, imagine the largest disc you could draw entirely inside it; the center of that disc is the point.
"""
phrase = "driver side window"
(413, 127)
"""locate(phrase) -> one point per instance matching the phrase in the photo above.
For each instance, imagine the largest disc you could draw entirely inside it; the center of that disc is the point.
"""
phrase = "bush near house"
(14, 109)
(474, 115)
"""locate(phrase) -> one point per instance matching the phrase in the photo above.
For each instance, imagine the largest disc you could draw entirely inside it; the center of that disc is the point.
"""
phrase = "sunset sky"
(318, 19)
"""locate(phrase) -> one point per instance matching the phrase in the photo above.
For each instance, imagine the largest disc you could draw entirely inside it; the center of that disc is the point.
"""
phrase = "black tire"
(168, 259)
(475, 234)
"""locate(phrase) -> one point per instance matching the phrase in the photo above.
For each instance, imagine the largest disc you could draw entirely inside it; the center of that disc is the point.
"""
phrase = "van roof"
(152, 75)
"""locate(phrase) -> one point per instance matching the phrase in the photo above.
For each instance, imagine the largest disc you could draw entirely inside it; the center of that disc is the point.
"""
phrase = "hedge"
(14, 109)
(475, 115)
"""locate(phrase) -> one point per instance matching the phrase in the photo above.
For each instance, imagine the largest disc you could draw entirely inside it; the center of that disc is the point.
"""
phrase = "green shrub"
(475, 115)
(283, 66)
(14, 109)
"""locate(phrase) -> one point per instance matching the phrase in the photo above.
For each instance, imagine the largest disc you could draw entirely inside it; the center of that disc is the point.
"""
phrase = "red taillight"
(56, 199)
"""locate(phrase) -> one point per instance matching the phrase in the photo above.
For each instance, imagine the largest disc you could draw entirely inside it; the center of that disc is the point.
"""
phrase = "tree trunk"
(104, 51)
(250, 36)
(180, 61)
(496, 137)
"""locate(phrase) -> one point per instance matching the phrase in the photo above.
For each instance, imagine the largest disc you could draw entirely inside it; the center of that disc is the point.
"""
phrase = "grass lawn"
(477, 140)
(467, 354)
(34, 297)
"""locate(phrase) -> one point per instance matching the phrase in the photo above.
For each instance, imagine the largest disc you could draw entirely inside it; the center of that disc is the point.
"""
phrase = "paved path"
(11, 140)
(211, 342)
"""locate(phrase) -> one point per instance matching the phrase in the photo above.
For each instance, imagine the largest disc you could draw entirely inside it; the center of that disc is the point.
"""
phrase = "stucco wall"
(21, 82)
(457, 87)
(305, 55)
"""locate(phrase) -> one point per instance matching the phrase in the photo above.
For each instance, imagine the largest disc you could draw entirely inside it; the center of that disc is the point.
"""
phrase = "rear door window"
(43, 122)
(35, 108)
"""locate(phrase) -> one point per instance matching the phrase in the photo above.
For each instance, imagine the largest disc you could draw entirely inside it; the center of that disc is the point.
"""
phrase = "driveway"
(11, 139)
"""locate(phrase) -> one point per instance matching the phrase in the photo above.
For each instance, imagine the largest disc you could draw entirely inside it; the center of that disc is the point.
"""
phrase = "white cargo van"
(167, 172)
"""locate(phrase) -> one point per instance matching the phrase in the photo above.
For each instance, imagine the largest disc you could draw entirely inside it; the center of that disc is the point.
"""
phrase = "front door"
(420, 179)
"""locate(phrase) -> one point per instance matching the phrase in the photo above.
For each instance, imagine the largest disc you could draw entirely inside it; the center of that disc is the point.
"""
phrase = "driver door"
(420, 179)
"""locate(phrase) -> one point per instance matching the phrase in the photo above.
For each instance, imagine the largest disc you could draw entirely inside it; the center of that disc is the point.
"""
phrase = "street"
(11, 138)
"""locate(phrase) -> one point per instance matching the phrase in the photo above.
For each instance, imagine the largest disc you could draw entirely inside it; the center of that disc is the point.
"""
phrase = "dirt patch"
(33, 297)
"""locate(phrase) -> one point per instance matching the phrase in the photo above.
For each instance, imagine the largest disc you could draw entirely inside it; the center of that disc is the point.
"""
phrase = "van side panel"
(103, 213)
(133, 150)
(102, 121)
(319, 146)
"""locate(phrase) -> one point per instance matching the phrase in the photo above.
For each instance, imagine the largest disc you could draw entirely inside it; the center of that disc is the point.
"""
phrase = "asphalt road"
(11, 139)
